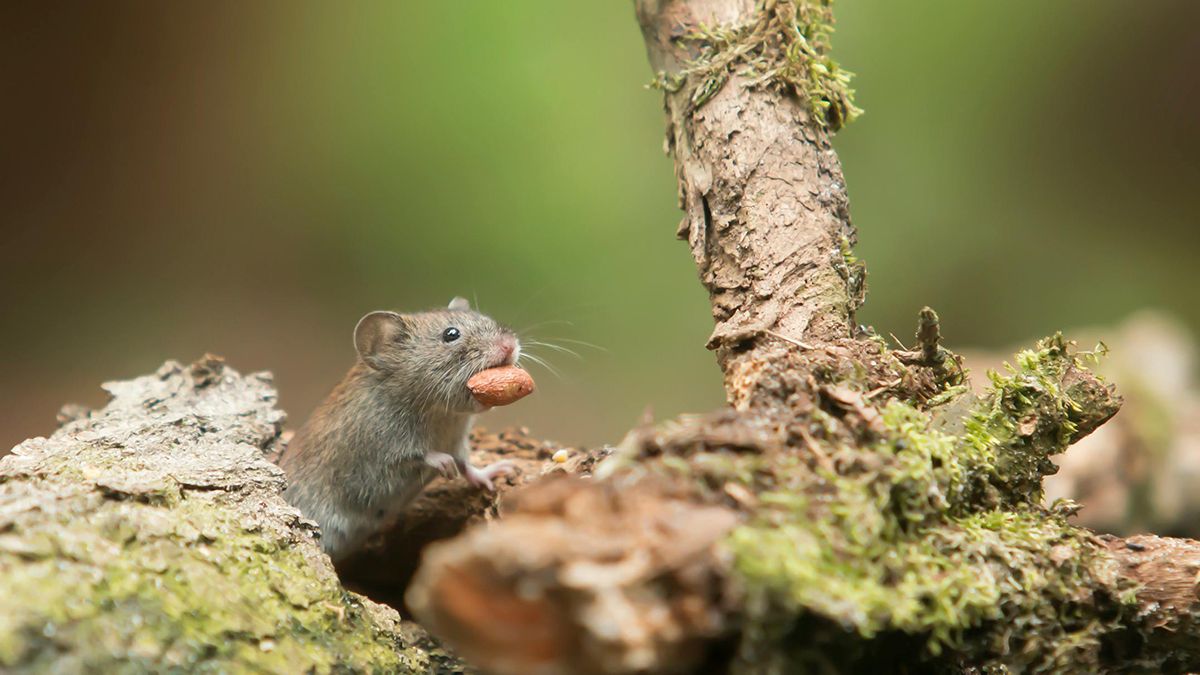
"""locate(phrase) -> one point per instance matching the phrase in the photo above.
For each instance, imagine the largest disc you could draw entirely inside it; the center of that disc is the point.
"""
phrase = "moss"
(1035, 409)
(933, 536)
(971, 585)
(787, 44)
(206, 593)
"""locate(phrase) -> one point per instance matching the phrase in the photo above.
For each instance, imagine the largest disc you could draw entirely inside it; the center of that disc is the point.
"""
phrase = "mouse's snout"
(507, 350)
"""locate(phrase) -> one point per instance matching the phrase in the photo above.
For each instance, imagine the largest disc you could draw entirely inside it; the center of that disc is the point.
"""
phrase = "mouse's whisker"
(542, 363)
(557, 348)
(551, 322)
(581, 343)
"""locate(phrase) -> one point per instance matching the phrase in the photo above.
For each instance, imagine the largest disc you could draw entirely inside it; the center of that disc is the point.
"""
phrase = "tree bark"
(151, 536)
(766, 214)
(855, 510)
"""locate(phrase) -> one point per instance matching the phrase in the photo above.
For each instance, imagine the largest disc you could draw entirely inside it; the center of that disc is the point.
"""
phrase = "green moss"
(933, 536)
(1033, 412)
(972, 584)
(787, 44)
(205, 593)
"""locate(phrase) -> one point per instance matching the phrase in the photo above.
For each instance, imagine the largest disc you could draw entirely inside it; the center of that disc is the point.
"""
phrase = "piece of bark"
(1168, 619)
(580, 577)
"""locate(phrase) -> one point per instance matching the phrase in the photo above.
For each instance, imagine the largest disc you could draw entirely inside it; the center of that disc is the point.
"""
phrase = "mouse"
(400, 417)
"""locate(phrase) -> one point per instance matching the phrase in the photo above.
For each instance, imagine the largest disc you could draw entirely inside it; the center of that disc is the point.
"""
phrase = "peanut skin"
(500, 386)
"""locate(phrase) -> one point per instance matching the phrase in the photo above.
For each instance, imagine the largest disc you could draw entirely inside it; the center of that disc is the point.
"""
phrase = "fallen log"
(151, 536)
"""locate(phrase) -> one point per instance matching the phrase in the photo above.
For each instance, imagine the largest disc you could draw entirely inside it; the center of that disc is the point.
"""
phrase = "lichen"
(787, 44)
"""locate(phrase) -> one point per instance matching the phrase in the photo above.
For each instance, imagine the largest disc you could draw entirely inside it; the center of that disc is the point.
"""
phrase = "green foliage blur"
(249, 178)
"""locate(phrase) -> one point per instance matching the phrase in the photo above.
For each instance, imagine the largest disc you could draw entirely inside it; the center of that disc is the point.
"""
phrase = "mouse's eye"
(451, 334)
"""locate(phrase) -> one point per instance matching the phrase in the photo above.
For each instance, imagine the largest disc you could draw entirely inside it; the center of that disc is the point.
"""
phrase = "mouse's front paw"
(443, 462)
(483, 477)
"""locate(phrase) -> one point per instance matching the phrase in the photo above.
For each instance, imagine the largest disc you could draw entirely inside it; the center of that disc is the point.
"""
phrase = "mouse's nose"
(508, 348)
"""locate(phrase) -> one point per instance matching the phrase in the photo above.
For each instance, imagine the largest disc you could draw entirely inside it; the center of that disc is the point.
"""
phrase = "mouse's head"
(427, 358)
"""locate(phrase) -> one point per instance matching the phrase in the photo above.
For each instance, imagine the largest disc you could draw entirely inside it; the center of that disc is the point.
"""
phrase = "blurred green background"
(249, 178)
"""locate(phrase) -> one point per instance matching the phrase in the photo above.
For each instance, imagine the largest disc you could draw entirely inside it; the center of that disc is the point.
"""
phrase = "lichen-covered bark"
(150, 536)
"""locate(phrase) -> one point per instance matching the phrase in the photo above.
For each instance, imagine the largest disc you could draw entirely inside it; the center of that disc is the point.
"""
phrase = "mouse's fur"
(400, 416)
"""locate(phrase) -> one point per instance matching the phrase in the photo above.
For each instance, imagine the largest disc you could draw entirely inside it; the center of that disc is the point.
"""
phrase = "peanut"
(500, 386)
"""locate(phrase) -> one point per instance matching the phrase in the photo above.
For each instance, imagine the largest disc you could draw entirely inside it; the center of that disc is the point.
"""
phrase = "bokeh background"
(249, 178)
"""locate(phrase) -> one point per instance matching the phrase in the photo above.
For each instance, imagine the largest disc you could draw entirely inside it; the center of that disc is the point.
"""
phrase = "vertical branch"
(766, 212)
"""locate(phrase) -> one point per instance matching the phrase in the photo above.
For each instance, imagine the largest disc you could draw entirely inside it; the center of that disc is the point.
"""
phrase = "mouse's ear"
(376, 331)
(459, 304)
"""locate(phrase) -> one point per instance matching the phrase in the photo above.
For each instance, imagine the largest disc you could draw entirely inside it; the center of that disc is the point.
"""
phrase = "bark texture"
(766, 214)
(1168, 572)
(383, 570)
(856, 509)
(150, 536)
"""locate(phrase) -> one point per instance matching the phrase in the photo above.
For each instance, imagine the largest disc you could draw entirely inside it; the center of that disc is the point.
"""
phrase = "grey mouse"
(399, 418)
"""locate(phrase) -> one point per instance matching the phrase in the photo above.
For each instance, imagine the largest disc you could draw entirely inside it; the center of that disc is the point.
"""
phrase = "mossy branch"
(785, 44)
(933, 540)
(855, 509)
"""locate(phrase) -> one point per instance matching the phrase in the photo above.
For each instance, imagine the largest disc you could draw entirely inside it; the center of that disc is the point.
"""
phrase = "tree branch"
(1167, 572)
(766, 213)
(856, 510)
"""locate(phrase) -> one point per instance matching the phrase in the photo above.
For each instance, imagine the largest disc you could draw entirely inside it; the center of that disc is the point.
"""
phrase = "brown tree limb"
(1167, 571)
(861, 512)
(766, 214)
(582, 578)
